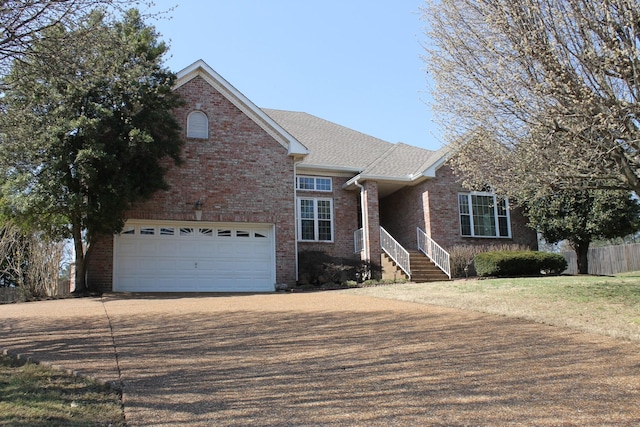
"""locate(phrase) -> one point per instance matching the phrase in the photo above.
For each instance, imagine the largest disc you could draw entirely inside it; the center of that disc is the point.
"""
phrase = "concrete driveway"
(327, 359)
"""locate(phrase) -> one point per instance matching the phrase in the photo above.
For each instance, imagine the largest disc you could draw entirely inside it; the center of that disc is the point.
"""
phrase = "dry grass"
(330, 359)
(603, 305)
(33, 395)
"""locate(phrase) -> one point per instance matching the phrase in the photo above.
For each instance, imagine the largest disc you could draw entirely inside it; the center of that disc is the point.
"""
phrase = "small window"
(147, 231)
(323, 184)
(197, 125)
(260, 235)
(242, 233)
(224, 233)
(167, 231)
(312, 183)
(128, 230)
(205, 231)
(306, 183)
(186, 231)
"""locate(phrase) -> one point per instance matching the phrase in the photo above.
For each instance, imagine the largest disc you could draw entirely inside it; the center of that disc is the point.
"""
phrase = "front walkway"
(329, 359)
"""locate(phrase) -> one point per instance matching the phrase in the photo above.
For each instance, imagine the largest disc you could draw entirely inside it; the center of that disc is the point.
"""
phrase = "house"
(256, 187)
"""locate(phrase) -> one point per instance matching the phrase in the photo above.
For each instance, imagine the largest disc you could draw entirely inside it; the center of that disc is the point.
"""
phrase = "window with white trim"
(197, 125)
(483, 215)
(315, 220)
(313, 183)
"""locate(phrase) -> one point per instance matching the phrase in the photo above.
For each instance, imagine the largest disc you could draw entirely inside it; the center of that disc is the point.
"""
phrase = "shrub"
(461, 260)
(319, 268)
(462, 256)
(519, 263)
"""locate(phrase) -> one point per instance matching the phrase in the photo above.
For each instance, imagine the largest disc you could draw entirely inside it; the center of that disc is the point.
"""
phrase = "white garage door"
(194, 257)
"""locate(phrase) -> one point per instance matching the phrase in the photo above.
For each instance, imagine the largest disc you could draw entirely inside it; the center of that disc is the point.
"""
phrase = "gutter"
(295, 212)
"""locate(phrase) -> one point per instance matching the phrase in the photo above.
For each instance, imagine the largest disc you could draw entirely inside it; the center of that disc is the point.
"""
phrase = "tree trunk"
(582, 251)
(80, 276)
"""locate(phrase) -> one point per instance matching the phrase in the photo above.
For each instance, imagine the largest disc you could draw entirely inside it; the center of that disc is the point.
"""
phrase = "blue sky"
(354, 62)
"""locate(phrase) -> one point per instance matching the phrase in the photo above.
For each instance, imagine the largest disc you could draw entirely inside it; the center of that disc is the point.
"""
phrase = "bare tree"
(539, 93)
(29, 261)
(23, 20)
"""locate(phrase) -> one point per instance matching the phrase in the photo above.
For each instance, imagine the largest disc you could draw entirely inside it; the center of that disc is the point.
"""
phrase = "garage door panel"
(175, 257)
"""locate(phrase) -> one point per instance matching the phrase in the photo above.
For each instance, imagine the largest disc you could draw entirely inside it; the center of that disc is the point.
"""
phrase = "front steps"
(422, 269)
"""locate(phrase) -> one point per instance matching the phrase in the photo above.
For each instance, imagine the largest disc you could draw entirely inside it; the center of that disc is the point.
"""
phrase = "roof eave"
(333, 168)
(407, 179)
(430, 172)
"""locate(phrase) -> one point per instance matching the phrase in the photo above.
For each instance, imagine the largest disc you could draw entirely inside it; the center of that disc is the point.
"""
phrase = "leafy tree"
(84, 129)
(583, 216)
(539, 93)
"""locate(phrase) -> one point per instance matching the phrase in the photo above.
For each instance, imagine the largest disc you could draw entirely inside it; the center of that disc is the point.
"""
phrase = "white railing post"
(396, 252)
(434, 252)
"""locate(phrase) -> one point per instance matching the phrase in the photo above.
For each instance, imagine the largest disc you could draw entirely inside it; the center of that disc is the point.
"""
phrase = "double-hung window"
(315, 219)
(483, 215)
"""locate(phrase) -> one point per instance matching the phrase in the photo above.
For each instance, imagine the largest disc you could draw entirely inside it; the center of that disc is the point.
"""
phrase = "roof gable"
(201, 69)
(406, 162)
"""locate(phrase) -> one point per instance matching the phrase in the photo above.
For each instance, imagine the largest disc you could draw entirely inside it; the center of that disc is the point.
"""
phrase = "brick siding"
(345, 219)
(433, 206)
(240, 174)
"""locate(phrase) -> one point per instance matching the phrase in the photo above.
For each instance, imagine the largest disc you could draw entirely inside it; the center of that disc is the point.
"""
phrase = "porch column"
(372, 210)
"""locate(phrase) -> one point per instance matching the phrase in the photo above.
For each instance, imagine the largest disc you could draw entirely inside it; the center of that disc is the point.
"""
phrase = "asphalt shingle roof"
(336, 146)
(330, 144)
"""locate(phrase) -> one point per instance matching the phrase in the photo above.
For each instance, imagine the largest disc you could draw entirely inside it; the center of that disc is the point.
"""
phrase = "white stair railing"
(396, 252)
(434, 252)
(358, 241)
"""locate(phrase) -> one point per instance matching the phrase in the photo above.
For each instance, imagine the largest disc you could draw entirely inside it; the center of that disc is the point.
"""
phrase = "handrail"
(434, 252)
(358, 241)
(395, 251)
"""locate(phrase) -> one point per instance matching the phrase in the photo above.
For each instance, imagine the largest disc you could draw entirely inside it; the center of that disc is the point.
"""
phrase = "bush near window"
(462, 256)
(520, 263)
(319, 268)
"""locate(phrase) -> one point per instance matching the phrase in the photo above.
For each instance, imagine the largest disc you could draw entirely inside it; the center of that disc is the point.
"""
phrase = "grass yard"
(602, 305)
(33, 395)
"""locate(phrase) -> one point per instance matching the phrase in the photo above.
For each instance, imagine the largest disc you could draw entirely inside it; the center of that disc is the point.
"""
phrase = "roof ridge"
(331, 123)
(381, 158)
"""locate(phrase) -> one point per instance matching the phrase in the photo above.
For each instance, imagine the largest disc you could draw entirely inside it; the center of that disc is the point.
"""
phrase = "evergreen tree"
(84, 129)
(581, 217)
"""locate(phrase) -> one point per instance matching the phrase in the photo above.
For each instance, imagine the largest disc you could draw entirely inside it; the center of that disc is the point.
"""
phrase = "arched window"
(197, 125)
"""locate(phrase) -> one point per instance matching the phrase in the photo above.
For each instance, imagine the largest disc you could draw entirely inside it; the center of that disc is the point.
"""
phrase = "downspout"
(365, 221)
(295, 211)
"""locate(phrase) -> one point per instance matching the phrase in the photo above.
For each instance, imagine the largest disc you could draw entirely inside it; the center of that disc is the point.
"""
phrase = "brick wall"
(345, 220)
(240, 174)
(444, 223)
(433, 206)
(402, 212)
(99, 264)
(373, 211)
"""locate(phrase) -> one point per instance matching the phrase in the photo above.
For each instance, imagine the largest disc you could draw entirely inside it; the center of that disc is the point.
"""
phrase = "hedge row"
(520, 263)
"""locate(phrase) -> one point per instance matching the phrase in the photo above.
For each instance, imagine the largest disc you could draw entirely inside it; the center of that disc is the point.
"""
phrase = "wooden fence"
(8, 295)
(607, 260)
